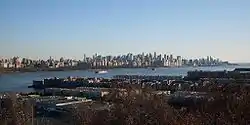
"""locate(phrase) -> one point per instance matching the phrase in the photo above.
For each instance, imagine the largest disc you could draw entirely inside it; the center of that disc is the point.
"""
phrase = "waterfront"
(18, 82)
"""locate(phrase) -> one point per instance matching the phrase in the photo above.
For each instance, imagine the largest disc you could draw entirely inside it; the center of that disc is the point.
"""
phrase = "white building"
(179, 61)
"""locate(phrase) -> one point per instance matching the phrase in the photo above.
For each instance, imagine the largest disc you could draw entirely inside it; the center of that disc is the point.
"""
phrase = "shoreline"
(28, 70)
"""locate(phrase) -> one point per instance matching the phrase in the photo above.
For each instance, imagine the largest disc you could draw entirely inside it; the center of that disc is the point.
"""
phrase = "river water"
(19, 82)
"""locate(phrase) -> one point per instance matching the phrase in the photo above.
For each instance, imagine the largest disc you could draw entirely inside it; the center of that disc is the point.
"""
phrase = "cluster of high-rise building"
(148, 60)
(139, 60)
(17, 62)
(128, 60)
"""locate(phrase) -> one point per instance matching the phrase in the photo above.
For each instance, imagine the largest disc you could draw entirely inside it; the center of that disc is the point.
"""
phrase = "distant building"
(179, 61)
(5, 65)
(17, 62)
(154, 55)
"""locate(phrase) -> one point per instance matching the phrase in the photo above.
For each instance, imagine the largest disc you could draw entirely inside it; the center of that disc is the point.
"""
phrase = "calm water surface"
(18, 82)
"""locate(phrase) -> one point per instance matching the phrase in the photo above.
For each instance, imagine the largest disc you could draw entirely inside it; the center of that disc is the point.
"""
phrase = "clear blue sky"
(70, 28)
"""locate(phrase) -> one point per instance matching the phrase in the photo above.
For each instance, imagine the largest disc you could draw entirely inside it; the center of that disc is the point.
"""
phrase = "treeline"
(228, 105)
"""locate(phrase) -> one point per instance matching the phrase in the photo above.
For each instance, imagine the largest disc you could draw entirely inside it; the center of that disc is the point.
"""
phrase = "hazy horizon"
(60, 28)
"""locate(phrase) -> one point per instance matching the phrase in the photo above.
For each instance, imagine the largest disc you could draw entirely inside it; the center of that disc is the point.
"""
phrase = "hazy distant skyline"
(62, 28)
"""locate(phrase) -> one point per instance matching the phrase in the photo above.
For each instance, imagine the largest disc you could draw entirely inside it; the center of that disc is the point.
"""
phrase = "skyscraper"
(171, 60)
(179, 61)
(84, 58)
(165, 56)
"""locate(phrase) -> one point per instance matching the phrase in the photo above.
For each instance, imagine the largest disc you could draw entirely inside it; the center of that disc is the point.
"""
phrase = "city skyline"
(112, 55)
(128, 60)
(192, 29)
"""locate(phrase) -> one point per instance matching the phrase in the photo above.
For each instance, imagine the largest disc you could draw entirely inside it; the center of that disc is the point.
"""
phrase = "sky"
(72, 28)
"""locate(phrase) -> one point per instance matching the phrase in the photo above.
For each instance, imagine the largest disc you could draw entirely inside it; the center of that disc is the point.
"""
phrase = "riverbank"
(19, 81)
(25, 70)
